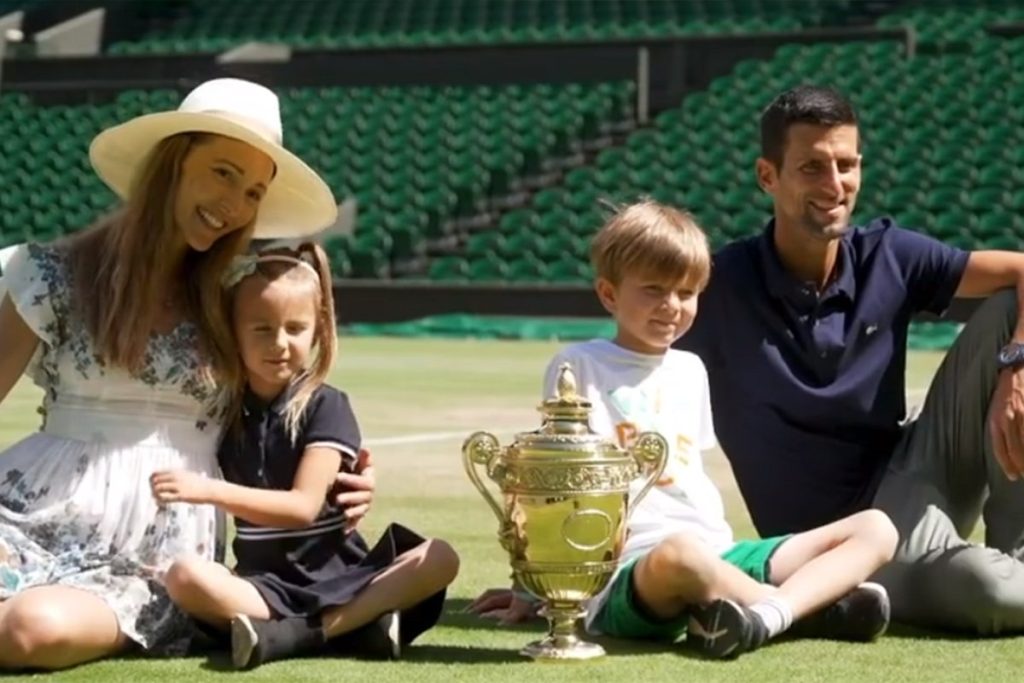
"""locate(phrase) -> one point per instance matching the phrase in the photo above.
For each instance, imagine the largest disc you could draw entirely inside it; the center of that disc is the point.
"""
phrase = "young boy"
(681, 571)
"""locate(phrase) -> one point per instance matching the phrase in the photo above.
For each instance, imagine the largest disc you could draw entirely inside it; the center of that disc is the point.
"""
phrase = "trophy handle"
(482, 448)
(650, 450)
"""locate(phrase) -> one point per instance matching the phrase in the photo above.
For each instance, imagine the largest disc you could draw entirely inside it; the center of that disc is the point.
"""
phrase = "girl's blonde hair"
(116, 266)
(325, 344)
(653, 240)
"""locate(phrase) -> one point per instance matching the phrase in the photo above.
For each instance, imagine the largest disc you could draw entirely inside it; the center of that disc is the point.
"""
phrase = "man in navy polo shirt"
(803, 330)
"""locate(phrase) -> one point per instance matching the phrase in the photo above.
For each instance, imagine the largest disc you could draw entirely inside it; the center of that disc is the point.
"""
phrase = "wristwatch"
(1010, 356)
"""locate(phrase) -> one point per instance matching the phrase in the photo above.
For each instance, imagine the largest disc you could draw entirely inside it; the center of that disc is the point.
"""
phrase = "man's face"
(815, 190)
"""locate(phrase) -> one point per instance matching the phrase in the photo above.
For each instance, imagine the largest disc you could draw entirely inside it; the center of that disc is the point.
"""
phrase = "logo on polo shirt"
(870, 330)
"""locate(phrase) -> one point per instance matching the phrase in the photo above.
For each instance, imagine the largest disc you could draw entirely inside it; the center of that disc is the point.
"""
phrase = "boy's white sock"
(775, 613)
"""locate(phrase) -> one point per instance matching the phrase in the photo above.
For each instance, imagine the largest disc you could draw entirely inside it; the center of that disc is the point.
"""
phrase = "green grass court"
(417, 400)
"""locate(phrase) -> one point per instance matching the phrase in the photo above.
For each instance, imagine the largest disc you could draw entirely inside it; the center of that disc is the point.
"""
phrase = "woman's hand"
(182, 486)
(354, 490)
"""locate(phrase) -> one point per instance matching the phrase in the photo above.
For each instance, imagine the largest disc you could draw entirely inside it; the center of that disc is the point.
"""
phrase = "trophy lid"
(567, 402)
(567, 412)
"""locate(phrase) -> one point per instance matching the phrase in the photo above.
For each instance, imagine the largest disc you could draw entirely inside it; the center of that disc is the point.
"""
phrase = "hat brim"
(297, 203)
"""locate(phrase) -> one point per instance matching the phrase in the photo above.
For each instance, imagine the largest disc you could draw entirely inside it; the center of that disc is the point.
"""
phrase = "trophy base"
(549, 651)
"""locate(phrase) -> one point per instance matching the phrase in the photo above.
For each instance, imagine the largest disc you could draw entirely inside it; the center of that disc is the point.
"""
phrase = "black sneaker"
(258, 641)
(378, 639)
(862, 615)
(724, 630)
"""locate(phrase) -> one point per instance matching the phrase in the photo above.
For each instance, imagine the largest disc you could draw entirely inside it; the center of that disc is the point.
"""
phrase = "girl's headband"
(243, 266)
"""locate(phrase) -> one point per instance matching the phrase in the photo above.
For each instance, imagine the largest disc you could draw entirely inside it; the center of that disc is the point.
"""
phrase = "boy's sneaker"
(258, 641)
(379, 639)
(724, 630)
(862, 615)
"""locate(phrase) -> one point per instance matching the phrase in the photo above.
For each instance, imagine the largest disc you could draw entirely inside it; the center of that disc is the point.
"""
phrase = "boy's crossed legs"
(734, 603)
(209, 592)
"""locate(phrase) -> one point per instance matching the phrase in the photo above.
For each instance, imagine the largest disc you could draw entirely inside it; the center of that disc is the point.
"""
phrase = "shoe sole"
(392, 629)
(883, 601)
(715, 642)
(243, 641)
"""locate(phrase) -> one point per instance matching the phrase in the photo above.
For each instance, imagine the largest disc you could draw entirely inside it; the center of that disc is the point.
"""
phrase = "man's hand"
(181, 486)
(1006, 422)
(503, 605)
(355, 490)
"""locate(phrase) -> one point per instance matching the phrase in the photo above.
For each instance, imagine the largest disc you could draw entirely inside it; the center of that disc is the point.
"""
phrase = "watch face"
(1011, 354)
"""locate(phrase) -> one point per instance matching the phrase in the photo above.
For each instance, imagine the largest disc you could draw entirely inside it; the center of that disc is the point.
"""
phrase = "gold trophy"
(566, 502)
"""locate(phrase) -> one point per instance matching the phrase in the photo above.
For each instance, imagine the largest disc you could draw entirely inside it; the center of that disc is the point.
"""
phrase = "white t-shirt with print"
(635, 392)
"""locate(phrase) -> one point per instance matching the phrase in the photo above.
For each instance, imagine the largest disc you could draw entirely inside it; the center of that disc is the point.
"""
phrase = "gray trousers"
(941, 479)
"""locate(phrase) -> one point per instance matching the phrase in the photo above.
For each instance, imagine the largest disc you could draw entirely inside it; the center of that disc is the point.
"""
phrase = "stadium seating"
(215, 25)
(953, 25)
(942, 137)
(942, 140)
(412, 157)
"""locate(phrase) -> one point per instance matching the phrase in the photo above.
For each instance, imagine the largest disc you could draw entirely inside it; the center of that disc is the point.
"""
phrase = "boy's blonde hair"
(652, 240)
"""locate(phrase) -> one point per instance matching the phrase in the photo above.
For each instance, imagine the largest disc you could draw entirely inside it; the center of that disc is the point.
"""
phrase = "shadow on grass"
(455, 616)
(907, 632)
(474, 655)
(217, 661)
(452, 654)
(449, 654)
(616, 646)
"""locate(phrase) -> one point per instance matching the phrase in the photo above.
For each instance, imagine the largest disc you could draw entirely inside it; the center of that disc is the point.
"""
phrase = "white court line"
(431, 437)
(427, 437)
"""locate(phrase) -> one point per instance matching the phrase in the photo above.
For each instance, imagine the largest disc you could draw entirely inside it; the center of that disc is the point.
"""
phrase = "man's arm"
(987, 272)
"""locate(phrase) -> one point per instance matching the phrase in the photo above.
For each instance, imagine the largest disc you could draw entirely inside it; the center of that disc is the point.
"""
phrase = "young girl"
(300, 580)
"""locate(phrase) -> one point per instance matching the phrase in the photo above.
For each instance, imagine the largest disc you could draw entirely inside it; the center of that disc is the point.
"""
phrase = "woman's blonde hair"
(115, 264)
(325, 344)
(653, 240)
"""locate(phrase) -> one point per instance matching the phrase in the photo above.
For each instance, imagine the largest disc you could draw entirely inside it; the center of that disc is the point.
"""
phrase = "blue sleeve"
(331, 422)
(931, 269)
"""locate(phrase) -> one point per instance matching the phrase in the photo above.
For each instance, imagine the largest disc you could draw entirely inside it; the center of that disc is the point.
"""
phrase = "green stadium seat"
(985, 199)
(950, 223)
(523, 242)
(527, 269)
(368, 262)
(996, 224)
(1008, 242)
(450, 268)
(488, 269)
(485, 244)
(944, 198)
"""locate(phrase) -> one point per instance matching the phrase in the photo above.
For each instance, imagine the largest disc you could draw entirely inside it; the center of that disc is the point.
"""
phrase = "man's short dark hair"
(811, 104)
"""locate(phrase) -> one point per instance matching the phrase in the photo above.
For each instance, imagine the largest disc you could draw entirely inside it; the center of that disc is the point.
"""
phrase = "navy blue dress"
(302, 572)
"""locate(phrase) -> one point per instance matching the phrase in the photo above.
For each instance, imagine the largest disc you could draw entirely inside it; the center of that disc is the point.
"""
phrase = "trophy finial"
(566, 385)
(566, 411)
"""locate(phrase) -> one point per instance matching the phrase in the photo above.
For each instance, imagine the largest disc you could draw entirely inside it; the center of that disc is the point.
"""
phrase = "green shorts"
(622, 615)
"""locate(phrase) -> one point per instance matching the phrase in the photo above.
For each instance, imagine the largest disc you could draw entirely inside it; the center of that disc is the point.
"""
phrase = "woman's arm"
(17, 344)
(291, 509)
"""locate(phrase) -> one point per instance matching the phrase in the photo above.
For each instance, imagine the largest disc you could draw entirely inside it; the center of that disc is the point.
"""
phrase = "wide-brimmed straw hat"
(297, 203)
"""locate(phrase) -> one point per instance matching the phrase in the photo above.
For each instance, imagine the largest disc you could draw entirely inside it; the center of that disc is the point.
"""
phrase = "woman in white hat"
(121, 325)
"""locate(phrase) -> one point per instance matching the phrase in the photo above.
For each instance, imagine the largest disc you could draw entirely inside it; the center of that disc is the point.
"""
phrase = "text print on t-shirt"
(644, 407)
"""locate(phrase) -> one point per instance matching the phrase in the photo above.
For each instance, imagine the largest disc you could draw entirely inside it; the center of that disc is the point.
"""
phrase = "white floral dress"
(76, 507)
